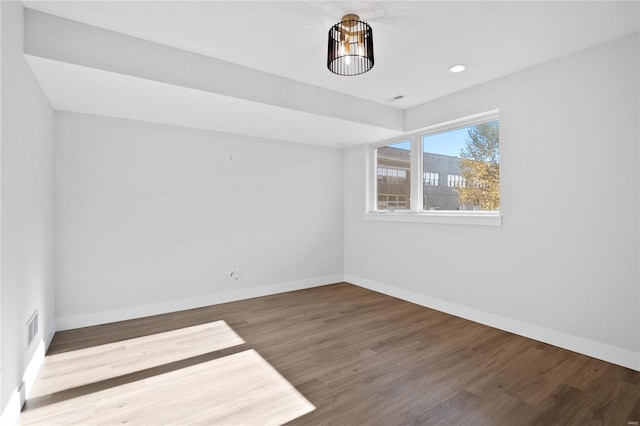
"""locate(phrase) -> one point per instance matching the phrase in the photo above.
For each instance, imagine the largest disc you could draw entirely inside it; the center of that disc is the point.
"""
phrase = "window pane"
(431, 178)
(469, 159)
(393, 169)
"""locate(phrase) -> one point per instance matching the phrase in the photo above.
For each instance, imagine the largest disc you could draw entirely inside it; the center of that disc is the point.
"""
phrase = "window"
(431, 179)
(454, 181)
(392, 201)
(392, 175)
(465, 151)
(470, 157)
(393, 171)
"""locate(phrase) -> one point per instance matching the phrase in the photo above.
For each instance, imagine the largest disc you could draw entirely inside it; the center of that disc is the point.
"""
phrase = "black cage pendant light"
(350, 47)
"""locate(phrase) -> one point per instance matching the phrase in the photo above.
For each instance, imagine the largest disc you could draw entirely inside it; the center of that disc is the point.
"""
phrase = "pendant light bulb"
(360, 46)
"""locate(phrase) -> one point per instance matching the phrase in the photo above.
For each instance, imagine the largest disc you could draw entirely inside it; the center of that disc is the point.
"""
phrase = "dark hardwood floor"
(363, 358)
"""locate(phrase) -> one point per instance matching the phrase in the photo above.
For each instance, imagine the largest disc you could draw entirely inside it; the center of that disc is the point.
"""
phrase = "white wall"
(151, 218)
(563, 268)
(26, 148)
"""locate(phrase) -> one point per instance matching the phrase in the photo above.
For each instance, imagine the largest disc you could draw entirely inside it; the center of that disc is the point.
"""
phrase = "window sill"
(444, 217)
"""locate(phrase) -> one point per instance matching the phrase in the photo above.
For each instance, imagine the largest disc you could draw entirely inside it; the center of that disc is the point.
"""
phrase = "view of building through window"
(454, 181)
(393, 170)
(470, 159)
(431, 178)
(461, 171)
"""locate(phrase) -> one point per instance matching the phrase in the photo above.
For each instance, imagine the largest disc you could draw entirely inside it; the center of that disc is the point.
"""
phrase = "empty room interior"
(320, 212)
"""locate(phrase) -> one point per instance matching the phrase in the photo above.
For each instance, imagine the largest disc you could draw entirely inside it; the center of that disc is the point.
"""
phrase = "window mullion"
(416, 174)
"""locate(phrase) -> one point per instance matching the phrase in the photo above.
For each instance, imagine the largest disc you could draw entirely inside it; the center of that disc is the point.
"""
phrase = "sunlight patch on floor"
(238, 389)
(81, 367)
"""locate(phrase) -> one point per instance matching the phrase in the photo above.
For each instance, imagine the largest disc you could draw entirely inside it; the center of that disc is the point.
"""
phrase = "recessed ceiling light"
(457, 68)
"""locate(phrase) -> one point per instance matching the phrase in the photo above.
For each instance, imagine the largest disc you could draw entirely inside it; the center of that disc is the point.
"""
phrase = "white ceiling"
(415, 43)
(98, 92)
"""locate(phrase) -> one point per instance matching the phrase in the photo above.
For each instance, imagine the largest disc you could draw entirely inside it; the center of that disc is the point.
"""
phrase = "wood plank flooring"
(237, 389)
(363, 358)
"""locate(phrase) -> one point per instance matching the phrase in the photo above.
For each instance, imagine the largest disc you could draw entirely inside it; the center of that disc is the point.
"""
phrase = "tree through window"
(470, 159)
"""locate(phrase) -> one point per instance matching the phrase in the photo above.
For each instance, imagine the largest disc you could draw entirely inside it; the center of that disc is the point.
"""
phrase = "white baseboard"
(13, 408)
(77, 321)
(11, 411)
(612, 354)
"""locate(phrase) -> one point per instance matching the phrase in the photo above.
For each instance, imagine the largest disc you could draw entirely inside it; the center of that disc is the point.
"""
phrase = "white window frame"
(415, 212)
